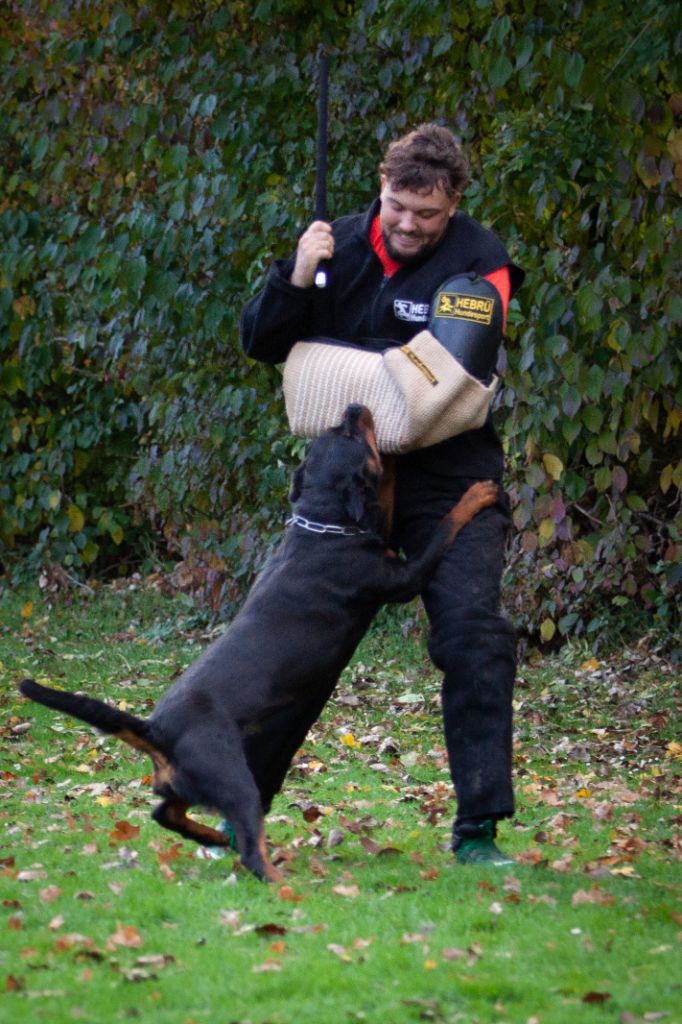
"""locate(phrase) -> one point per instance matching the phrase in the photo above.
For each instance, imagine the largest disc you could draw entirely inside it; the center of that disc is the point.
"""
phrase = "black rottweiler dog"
(224, 734)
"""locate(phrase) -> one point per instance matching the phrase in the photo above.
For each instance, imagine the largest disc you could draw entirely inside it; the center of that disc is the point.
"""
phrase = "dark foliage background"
(155, 157)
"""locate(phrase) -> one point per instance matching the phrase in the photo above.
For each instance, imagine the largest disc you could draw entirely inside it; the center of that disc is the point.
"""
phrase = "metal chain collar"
(333, 528)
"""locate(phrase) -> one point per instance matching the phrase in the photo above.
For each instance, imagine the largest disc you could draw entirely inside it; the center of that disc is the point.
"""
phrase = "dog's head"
(339, 478)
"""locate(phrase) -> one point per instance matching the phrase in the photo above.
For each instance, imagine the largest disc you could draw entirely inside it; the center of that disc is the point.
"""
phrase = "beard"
(412, 258)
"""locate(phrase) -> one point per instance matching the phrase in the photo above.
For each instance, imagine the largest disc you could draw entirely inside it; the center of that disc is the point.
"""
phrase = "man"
(385, 266)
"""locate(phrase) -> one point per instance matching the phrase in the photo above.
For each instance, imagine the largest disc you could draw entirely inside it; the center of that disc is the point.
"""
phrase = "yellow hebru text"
(468, 307)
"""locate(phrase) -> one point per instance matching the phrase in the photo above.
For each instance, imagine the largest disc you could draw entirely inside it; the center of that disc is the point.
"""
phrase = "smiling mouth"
(409, 240)
(404, 248)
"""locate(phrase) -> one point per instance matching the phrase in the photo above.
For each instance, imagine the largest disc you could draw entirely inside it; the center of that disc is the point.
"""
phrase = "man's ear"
(297, 483)
(454, 203)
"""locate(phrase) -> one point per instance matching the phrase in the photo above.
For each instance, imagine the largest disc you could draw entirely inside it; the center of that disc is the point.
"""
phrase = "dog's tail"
(95, 712)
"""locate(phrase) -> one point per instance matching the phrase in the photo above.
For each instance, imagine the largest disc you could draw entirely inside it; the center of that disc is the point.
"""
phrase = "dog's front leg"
(404, 580)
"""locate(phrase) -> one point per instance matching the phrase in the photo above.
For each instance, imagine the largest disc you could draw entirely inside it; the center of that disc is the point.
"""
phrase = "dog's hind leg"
(171, 813)
(270, 745)
(211, 771)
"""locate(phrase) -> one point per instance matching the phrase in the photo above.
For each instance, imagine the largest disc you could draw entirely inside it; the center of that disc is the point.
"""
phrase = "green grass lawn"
(108, 918)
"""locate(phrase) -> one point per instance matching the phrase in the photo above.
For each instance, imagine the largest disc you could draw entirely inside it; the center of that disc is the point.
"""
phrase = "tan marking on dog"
(271, 872)
(386, 494)
(480, 495)
(366, 425)
(163, 769)
(207, 836)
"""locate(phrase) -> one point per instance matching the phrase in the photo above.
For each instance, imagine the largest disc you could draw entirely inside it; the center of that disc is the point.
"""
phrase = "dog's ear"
(297, 483)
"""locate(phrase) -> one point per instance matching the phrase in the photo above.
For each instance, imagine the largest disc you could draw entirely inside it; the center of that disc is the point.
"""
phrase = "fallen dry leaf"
(155, 960)
(563, 863)
(453, 953)
(309, 929)
(475, 951)
(125, 935)
(166, 856)
(349, 891)
(335, 837)
(230, 918)
(595, 895)
(124, 831)
(49, 895)
(287, 893)
(137, 974)
(266, 966)
(535, 858)
(63, 943)
(349, 740)
(626, 871)
(270, 929)
(33, 875)
(596, 997)
(340, 951)
(311, 814)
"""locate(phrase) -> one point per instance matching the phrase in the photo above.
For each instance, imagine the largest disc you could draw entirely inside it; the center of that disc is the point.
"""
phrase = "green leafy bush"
(156, 157)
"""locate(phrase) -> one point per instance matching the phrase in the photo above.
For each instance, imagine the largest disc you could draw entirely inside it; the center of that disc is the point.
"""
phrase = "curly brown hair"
(426, 157)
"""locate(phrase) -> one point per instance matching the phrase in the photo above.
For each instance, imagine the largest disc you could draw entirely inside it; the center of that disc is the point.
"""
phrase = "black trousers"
(469, 640)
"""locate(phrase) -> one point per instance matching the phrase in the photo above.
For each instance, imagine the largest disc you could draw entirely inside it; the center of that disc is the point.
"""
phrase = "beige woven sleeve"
(321, 380)
(418, 394)
(441, 398)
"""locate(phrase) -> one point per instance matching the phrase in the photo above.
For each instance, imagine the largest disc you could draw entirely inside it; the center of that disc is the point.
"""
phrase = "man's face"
(413, 223)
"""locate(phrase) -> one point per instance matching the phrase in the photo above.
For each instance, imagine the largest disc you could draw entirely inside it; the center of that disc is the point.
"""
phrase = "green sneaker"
(475, 844)
(228, 831)
(217, 852)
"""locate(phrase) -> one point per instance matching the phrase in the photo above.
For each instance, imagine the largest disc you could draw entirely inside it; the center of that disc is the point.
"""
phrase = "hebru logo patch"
(460, 306)
(415, 312)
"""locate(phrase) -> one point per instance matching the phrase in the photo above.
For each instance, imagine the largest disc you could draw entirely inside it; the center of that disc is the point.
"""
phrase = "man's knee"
(473, 642)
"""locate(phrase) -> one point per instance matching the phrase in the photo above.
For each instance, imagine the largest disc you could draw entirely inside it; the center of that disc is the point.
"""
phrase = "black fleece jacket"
(362, 306)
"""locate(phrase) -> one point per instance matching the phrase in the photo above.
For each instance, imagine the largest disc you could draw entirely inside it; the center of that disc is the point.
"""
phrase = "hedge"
(156, 157)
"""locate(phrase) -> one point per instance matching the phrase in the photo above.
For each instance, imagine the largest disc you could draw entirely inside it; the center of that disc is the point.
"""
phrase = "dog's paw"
(480, 495)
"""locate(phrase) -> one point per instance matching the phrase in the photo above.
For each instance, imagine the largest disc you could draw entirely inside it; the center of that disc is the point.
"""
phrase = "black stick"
(321, 163)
